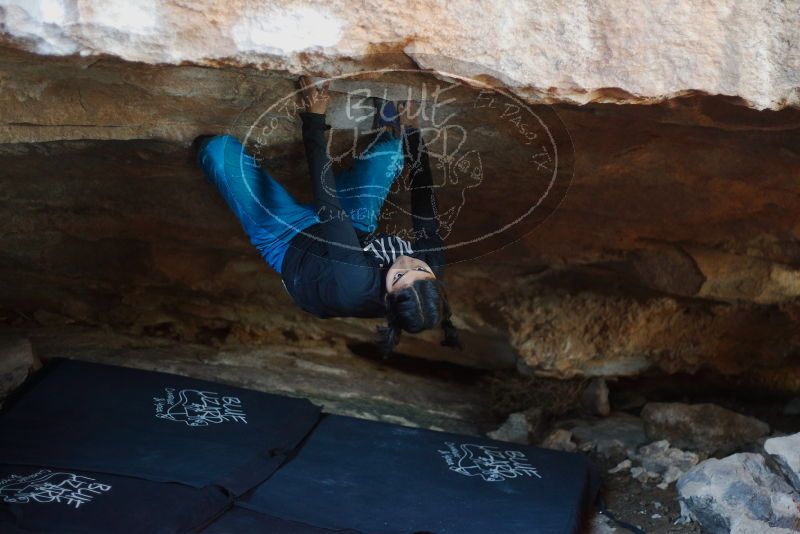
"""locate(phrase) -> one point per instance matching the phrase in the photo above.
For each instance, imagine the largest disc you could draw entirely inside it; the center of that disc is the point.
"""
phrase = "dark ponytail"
(451, 338)
(415, 308)
(388, 338)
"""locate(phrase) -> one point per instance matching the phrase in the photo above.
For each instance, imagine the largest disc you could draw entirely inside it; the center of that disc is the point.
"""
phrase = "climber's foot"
(199, 142)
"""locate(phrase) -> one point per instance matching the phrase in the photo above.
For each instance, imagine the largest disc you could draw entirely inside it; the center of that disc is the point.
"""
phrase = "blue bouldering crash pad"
(386, 479)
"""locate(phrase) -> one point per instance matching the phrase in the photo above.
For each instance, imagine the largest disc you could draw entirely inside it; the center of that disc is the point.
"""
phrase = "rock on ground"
(718, 493)
(786, 453)
(706, 428)
(594, 398)
(559, 440)
(667, 462)
(519, 427)
(16, 360)
(612, 437)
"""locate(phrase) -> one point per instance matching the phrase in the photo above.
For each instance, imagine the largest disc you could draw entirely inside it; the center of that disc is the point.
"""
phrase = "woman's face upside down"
(405, 271)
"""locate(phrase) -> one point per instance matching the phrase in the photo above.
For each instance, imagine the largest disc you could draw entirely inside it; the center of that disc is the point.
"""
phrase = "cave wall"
(674, 248)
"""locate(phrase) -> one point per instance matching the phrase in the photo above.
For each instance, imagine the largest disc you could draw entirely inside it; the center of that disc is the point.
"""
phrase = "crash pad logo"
(199, 408)
(490, 463)
(47, 486)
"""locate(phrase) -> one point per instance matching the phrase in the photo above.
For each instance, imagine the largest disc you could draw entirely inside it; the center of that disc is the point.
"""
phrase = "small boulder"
(612, 437)
(705, 428)
(594, 398)
(16, 360)
(642, 475)
(514, 430)
(718, 493)
(624, 465)
(667, 462)
(518, 427)
(559, 440)
(786, 453)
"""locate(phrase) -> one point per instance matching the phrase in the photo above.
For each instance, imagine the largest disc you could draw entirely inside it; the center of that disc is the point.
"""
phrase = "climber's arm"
(424, 207)
(343, 245)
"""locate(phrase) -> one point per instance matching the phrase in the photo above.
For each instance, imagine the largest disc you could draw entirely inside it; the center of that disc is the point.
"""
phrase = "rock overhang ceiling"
(674, 247)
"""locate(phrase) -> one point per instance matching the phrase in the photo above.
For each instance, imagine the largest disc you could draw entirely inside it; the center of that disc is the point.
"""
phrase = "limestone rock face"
(566, 331)
(674, 245)
(553, 51)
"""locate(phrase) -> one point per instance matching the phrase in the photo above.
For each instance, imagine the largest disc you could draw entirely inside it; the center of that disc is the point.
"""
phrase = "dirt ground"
(653, 510)
(656, 511)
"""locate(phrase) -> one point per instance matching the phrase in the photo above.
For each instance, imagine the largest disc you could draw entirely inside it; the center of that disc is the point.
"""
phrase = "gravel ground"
(643, 505)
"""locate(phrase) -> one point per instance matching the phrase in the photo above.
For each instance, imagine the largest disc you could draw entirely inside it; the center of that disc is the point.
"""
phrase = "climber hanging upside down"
(331, 260)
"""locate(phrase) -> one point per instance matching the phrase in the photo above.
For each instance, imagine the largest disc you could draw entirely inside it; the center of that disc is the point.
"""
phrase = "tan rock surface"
(675, 247)
(566, 331)
(552, 50)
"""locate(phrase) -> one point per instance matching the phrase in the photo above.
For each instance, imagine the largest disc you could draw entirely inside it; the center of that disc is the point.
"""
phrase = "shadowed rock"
(706, 428)
(16, 360)
(678, 232)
